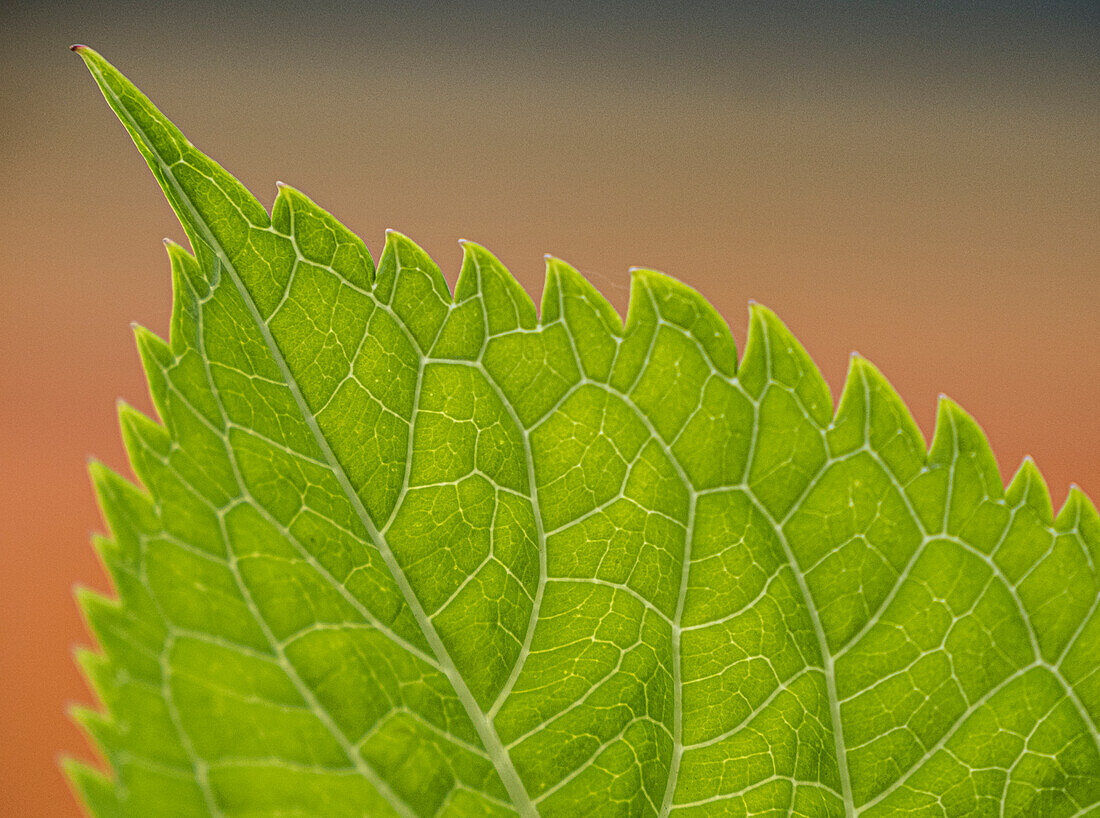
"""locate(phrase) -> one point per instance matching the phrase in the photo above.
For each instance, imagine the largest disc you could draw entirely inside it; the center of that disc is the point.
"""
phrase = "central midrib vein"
(499, 756)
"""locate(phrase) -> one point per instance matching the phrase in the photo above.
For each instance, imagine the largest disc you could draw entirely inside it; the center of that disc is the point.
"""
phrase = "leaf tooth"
(959, 436)
(970, 489)
(141, 433)
(98, 726)
(152, 346)
(98, 609)
(564, 281)
(588, 318)
(321, 238)
(147, 443)
(127, 510)
(108, 551)
(156, 358)
(188, 287)
(883, 391)
(282, 218)
(96, 791)
(639, 335)
(101, 675)
(773, 354)
(1079, 514)
(850, 421)
(640, 311)
(469, 281)
(752, 372)
(95, 665)
(942, 449)
(179, 256)
(484, 275)
(399, 252)
(870, 403)
(101, 732)
(128, 627)
(686, 308)
(1030, 489)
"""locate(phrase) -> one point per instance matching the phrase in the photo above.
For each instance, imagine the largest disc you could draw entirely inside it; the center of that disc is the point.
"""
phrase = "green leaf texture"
(400, 552)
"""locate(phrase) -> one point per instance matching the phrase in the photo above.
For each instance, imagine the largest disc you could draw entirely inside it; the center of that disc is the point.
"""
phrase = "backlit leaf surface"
(400, 552)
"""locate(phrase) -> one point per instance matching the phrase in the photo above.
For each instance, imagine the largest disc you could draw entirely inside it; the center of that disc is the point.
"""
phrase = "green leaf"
(403, 553)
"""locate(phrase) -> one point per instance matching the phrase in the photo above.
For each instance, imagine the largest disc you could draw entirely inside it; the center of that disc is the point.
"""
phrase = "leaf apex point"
(280, 185)
(78, 47)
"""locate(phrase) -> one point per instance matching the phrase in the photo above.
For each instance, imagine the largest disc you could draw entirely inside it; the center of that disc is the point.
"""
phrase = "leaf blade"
(654, 559)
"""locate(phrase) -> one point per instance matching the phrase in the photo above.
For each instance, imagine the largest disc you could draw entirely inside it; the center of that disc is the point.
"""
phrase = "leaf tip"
(948, 411)
(648, 273)
(81, 654)
(861, 369)
(74, 769)
(1028, 487)
(468, 246)
(1079, 513)
(78, 48)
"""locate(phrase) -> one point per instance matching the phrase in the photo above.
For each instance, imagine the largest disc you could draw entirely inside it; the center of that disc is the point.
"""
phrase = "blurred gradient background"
(920, 183)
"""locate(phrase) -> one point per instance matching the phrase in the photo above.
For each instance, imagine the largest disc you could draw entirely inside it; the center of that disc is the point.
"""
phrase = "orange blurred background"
(920, 185)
